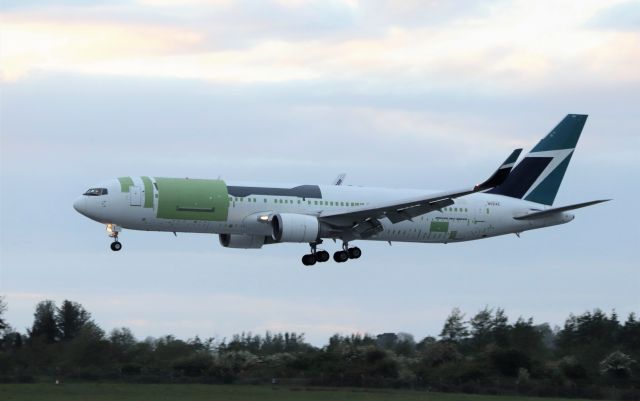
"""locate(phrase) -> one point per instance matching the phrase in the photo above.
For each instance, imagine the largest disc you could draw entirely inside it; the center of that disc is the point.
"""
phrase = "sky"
(407, 94)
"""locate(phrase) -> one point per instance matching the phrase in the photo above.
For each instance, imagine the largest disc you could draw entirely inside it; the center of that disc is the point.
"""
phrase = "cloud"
(48, 45)
(624, 16)
(515, 46)
(13, 4)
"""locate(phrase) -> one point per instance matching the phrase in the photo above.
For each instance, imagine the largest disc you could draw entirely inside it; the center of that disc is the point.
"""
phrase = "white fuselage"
(471, 217)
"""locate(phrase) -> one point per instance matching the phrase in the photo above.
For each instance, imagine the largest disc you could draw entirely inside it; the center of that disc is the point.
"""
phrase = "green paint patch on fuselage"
(148, 192)
(192, 199)
(439, 226)
(125, 183)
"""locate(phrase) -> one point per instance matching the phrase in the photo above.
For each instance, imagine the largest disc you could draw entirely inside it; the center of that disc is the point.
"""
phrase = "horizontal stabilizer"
(549, 212)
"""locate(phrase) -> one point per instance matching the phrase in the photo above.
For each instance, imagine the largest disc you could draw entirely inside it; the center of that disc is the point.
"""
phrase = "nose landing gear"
(113, 231)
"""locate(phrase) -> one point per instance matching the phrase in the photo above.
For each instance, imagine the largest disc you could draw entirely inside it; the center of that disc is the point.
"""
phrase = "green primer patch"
(439, 226)
(125, 183)
(192, 199)
(148, 192)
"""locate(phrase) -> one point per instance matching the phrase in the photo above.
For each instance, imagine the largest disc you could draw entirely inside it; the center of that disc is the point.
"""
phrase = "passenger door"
(135, 196)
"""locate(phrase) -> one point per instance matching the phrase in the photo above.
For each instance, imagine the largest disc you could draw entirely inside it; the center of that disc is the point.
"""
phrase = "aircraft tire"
(354, 253)
(116, 246)
(322, 256)
(309, 260)
(340, 256)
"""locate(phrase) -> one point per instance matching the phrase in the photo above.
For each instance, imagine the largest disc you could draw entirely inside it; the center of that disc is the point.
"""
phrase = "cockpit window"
(96, 192)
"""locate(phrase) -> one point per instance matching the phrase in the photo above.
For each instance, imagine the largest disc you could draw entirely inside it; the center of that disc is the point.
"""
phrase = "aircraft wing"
(364, 221)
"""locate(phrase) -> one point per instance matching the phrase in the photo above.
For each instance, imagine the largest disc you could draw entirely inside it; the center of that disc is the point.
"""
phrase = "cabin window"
(96, 192)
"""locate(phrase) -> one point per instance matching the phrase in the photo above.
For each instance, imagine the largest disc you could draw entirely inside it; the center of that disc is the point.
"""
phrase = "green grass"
(202, 392)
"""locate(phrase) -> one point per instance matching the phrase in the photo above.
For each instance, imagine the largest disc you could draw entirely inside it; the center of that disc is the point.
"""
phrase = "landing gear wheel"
(322, 256)
(340, 256)
(354, 253)
(116, 246)
(309, 259)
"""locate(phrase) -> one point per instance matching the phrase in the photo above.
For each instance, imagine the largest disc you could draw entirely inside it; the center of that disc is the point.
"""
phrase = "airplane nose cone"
(79, 205)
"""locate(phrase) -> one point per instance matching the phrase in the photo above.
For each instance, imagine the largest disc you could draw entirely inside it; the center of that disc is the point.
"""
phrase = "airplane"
(515, 198)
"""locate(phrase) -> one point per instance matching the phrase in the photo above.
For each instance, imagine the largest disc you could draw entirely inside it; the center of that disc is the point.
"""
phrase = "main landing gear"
(113, 231)
(315, 255)
(347, 253)
(322, 256)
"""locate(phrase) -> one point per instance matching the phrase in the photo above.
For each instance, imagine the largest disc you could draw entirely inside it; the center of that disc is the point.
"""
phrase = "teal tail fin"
(538, 176)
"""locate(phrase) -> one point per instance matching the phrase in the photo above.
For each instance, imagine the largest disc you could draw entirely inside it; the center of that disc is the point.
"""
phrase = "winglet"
(501, 174)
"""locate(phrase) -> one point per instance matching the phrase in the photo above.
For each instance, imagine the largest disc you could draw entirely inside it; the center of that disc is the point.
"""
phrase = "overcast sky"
(408, 94)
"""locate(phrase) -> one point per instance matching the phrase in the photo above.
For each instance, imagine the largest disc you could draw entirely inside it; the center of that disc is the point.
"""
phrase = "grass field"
(200, 392)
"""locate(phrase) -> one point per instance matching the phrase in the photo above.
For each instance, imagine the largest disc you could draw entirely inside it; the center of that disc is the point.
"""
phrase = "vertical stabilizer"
(538, 176)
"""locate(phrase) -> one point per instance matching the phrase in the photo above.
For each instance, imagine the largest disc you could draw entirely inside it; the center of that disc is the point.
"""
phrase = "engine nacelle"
(241, 241)
(291, 227)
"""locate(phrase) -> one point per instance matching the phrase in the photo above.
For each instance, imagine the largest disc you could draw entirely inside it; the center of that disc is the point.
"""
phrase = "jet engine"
(291, 227)
(241, 241)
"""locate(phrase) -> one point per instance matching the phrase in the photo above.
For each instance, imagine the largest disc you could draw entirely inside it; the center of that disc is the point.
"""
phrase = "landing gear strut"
(315, 255)
(113, 231)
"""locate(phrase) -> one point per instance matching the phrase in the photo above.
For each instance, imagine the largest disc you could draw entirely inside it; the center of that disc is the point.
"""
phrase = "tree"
(617, 365)
(590, 337)
(123, 343)
(405, 345)
(5, 329)
(500, 329)
(482, 325)
(3, 309)
(71, 317)
(455, 329)
(630, 335)
(44, 322)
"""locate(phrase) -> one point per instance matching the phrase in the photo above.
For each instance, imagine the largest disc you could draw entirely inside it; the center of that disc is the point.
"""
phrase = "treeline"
(593, 355)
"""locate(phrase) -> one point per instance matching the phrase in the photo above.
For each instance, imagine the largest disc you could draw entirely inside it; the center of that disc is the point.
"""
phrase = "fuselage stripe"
(125, 183)
(148, 192)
